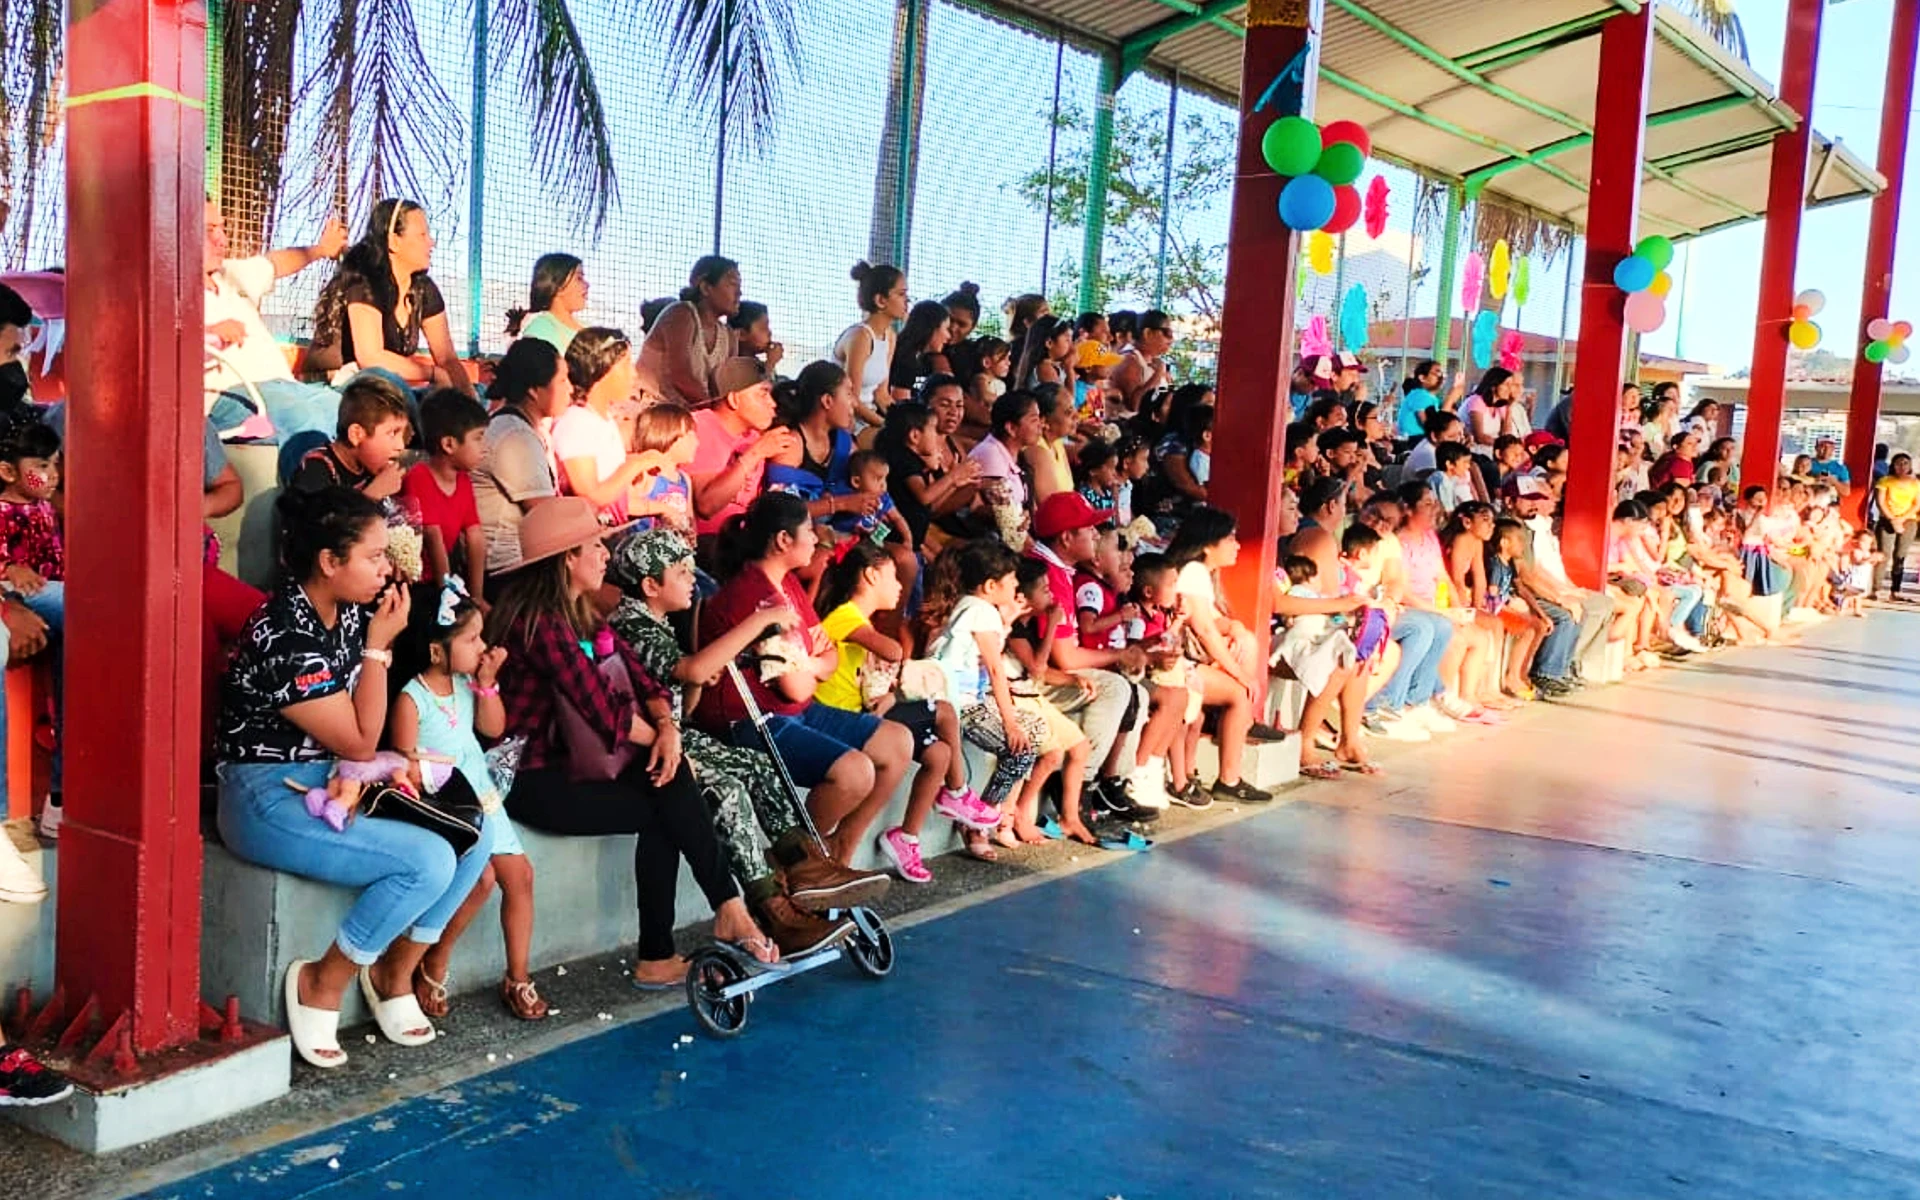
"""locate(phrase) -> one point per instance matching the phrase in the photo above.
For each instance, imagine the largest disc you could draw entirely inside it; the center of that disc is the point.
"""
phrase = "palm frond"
(571, 146)
(258, 49)
(381, 108)
(1720, 21)
(1526, 232)
(746, 49)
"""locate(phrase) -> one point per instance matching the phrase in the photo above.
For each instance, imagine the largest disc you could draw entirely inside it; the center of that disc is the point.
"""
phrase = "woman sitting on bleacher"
(308, 687)
(1227, 657)
(376, 309)
(516, 470)
(603, 754)
(554, 300)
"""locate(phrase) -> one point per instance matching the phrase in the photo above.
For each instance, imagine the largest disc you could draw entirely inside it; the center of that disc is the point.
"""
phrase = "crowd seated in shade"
(922, 541)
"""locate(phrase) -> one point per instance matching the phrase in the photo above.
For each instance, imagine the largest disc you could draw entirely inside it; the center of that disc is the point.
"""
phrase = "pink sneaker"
(967, 808)
(904, 849)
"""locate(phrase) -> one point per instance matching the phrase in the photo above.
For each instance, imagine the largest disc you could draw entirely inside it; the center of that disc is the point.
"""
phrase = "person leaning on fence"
(689, 338)
(243, 359)
(381, 303)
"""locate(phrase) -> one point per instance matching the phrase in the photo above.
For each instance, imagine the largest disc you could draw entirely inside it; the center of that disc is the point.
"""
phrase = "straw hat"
(561, 524)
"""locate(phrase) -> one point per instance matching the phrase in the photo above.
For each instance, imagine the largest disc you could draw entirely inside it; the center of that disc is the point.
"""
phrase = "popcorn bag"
(405, 544)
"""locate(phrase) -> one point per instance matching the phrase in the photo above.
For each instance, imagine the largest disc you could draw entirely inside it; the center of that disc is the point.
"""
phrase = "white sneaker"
(1432, 718)
(19, 882)
(1686, 641)
(51, 815)
(1150, 784)
(1404, 727)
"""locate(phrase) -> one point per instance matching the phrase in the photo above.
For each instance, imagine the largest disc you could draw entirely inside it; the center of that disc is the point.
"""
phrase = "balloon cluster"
(1889, 342)
(1801, 331)
(1320, 166)
(1643, 276)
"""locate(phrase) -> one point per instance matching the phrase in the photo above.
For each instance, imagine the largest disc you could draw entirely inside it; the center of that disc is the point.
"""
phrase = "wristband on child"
(477, 690)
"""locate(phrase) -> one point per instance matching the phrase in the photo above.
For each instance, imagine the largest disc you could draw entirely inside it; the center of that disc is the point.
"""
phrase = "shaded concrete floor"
(1656, 941)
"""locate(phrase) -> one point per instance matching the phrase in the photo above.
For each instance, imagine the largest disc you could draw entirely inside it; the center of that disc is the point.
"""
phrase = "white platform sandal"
(315, 1031)
(399, 1017)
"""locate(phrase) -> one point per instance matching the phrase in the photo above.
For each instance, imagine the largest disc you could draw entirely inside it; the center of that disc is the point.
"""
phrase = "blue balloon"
(1634, 274)
(1307, 203)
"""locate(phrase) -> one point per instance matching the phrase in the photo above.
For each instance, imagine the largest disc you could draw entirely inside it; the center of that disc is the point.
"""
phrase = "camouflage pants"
(751, 806)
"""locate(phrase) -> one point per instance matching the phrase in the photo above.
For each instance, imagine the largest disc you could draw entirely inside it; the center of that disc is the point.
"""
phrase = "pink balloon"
(1646, 312)
(1878, 329)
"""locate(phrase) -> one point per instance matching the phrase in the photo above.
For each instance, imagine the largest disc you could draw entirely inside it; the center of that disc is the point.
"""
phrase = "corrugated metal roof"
(1707, 145)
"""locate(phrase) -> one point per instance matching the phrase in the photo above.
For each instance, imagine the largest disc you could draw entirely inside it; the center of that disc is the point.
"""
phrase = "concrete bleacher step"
(26, 930)
(1266, 764)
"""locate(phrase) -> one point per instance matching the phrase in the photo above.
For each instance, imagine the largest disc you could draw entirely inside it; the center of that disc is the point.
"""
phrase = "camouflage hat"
(647, 555)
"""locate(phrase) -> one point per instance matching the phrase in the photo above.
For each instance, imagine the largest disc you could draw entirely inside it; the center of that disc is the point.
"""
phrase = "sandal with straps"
(431, 993)
(522, 999)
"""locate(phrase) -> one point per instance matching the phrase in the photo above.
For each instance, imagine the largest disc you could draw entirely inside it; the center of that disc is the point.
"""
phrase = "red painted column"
(129, 928)
(1883, 230)
(1613, 209)
(1256, 312)
(1779, 254)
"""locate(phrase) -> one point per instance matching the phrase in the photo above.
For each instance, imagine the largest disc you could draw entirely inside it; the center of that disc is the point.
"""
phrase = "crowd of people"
(603, 597)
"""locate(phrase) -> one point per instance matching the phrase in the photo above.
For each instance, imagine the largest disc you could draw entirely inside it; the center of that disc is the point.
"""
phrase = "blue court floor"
(1660, 942)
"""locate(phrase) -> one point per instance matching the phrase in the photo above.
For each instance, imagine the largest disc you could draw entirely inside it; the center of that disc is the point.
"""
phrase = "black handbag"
(453, 812)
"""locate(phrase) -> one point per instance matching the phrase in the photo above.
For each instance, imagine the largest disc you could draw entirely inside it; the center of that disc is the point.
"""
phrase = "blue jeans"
(1423, 637)
(1686, 601)
(292, 406)
(1555, 659)
(412, 882)
(811, 740)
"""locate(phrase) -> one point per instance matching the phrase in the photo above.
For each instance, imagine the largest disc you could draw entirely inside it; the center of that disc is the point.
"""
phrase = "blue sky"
(1717, 320)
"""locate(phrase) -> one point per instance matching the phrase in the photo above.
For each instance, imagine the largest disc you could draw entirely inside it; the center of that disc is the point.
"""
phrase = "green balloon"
(1291, 146)
(1656, 250)
(1876, 352)
(1341, 163)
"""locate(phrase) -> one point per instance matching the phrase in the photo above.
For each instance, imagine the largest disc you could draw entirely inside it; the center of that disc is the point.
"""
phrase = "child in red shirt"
(454, 428)
(1097, 588)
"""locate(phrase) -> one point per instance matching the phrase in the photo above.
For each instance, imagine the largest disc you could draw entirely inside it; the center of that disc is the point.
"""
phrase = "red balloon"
(1346, 209)
(1348, 131)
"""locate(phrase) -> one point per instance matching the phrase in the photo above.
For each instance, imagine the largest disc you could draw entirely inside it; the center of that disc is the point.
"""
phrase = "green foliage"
(1204, 153)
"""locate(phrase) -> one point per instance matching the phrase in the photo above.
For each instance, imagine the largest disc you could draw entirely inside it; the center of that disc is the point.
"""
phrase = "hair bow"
(839, 553)
(453, 593)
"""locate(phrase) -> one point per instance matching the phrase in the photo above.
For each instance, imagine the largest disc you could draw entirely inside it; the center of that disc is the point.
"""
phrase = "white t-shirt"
(1546, 550)
(581, 432)
(1420, 458)
(959, 654)
(237, 289)
(1196, 581)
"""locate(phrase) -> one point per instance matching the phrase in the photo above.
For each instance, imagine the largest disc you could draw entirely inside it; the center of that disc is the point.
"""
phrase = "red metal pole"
(1256, 312)
(1613, 207)
(1779, 255)
(1883, 235)
(129, 930)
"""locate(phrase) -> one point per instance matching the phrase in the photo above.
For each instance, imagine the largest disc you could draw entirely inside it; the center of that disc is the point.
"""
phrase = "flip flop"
(980, 850)
(1364, 768)
(1131, 841)
(313, 1030)
(640, 986)
(747, 946)
(1051, 828)
(399, 1016)
(1320, 770)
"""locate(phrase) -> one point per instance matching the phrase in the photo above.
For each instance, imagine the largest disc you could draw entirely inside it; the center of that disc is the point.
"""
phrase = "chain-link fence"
(920, 131)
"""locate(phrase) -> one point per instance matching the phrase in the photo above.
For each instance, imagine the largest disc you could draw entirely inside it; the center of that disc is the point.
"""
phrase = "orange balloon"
(1801, 312)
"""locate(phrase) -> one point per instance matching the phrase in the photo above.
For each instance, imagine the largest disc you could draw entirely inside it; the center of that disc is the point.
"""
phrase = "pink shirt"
(715, 453)
(1426, 566)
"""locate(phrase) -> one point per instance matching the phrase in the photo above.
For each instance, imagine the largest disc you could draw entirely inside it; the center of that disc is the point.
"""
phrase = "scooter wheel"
(870, 946)
(708, 974)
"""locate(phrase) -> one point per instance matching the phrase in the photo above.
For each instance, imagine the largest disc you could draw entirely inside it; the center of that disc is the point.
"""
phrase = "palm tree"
(1721, 23)
(32, 62)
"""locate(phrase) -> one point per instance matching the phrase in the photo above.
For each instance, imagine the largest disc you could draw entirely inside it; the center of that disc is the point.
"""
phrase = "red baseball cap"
(1061, 513)
(1539, 438)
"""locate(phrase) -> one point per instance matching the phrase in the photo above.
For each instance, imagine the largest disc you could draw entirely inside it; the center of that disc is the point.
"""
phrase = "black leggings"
(668, 822)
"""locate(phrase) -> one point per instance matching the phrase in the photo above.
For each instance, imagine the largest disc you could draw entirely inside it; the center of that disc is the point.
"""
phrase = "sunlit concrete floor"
(1662, 940)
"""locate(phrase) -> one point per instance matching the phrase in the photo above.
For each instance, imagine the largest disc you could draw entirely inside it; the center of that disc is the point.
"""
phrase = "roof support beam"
(1532, 45)
(1135, 47)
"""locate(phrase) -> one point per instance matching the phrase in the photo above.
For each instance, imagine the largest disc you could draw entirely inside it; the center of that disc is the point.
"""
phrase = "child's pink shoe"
(967, 808)
(903, 849)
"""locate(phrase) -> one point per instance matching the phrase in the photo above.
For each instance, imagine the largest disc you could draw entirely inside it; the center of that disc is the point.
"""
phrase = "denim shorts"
(811, 740)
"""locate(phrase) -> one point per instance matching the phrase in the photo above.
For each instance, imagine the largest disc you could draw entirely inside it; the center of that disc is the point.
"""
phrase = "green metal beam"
(1709, 62)
(1402, 108)
(1532, 45)
(1700, 154)
(1449, 253)
(1098, 170)
(1578, 141)
(1135, 47)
